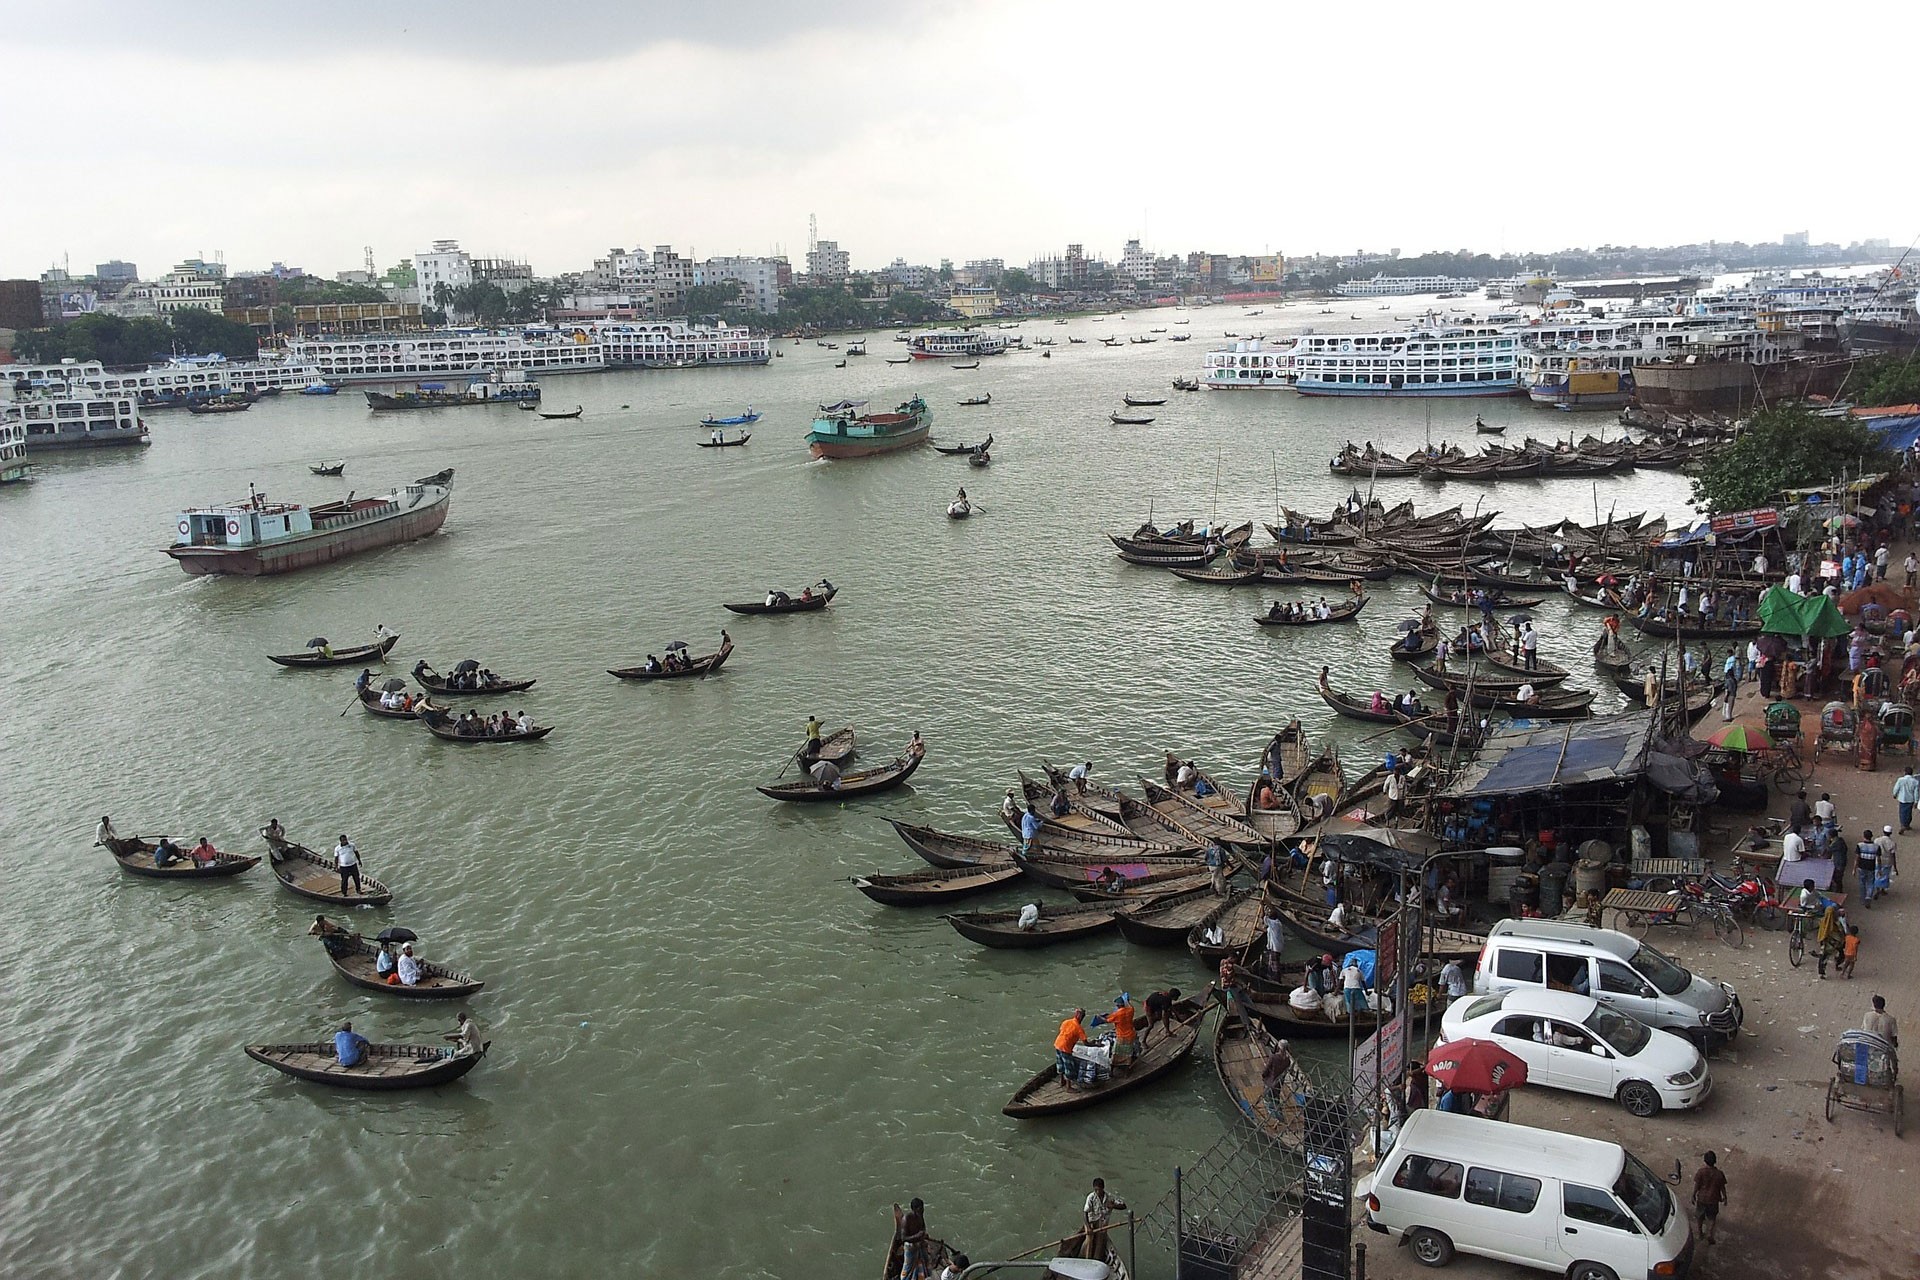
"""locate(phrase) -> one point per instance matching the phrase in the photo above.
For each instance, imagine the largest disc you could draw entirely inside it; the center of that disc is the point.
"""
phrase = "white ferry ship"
(1397, 286)
(1602, 353)
(13, 450)
(942, 344)
(442, 353)
(59, 419)
(1250, 365)
(1462, 360)
(675, 344)
(183, 379)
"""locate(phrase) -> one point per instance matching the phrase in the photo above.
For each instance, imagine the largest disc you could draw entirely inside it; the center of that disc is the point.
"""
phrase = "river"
(711, 1055)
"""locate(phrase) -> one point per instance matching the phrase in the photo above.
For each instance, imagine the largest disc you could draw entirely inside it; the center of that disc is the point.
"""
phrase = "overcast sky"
(549, 132)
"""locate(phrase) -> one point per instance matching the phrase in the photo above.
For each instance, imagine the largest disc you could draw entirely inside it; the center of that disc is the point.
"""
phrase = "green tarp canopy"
(1783, 613)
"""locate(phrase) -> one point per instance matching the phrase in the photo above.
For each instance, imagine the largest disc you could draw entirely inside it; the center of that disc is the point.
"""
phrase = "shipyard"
(749, 703)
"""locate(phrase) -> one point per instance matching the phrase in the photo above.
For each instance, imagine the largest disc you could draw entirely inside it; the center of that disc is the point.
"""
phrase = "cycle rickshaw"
(1866, 1077)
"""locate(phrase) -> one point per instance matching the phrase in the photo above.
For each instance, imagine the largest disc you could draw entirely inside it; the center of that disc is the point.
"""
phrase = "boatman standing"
(346, 861)
(812, 747)
(1097, 1212)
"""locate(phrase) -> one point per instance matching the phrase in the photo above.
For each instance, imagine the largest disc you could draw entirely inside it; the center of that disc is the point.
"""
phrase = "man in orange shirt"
(1124, 1045)
(1072, 1032)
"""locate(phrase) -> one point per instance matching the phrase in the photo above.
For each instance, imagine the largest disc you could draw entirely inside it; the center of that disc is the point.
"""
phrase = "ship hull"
(867, 448)
(1456, 391)
(1733, 385)
(86, 440)
(318, 548)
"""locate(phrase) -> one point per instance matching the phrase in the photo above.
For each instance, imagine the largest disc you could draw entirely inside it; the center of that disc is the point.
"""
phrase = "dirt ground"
(1805, 1198)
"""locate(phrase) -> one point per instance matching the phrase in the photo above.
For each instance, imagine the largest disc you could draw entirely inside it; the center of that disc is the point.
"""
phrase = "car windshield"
(1660, 971)
(1628, 1036)
(1645, 1194)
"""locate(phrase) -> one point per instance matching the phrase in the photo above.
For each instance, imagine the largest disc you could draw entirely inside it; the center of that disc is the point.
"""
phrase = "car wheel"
(1640, 1099)
(1430, 1247)
(1591, 1271)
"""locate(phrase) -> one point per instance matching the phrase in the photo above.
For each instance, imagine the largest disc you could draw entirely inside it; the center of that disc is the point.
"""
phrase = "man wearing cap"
(349, 1046)
(1889, 849)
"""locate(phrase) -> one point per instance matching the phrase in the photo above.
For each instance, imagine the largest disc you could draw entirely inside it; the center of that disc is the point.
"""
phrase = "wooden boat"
(1001, 929)
(979, 458)
(430, 680)
(1432, 729)
(956, 450)
(1151, 822)
(386, 1066)
(732, 420)
(1241, 1050)
(1488, 429)
(1151, 887)
(135, 857)
(1081, 816)
(1310, 924)
(308, 874)
(1055, 841)
(1142, 402)
(1229, 577)
(1481, 675)
(703, 666)
(1325, 776)
(932, 887)
(355, 957)
(1218, 799)
(1276, 823)
(552, 417)
(1669, 628)
(724, 443)
(1045, 1095)
(370, 703)
(1551, 704)
(1497, 599)
(836, 747)
(974, 365)
(328, 468)
(959, 510)
(220, 406)
(793, 604)
(1129, 420)
(1241, 920)
(1203, 821)
(1344, 612)
(1355, 708)
(1543, 673)
(861, 782)
(1169, 918)
(1281, 1018)
(944, 849)
(972, 402)
(316, 657)
(1093, 794)
(440, 722)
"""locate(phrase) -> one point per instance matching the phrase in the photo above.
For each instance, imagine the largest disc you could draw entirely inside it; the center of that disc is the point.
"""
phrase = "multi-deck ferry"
(62, 419)
(442, 353)
(1454, 360)
(1399, 286)
(1251, 365)
(13, 451)
(942, 344)
(674, 344)
(181, 380)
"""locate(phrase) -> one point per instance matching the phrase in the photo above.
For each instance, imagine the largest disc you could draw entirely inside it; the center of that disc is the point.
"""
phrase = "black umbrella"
(1519, 618)
(1773, 646)
(394, 685)
(318, 642)
(396, 933)
(677, 644)
(465, 665)
(1409, 624)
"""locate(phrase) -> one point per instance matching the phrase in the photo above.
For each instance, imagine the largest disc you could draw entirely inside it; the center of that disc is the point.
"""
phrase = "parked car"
(1576, 1043)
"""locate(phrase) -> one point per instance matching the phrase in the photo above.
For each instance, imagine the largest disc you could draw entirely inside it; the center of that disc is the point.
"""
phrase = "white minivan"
(1578, 1206)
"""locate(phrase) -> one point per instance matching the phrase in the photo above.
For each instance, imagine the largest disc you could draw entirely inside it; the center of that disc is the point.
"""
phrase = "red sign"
(1740, 521)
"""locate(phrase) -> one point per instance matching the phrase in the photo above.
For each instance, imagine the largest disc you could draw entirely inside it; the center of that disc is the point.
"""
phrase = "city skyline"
(919, 133)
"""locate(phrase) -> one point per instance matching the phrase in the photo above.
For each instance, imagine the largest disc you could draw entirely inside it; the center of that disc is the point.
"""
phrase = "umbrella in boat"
(1475, 1066)
(465, 665)
(394, 685)
(1408, 624)
(1741, 735)
(1519, 618)
(677, 644)
(396, 933)
(318, 642)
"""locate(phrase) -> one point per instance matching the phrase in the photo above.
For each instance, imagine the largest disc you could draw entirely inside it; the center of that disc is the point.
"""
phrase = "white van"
(1578, 1206)
(1614, 968)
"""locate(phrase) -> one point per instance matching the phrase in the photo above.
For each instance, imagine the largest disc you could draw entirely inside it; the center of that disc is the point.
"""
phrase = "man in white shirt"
(1526, 694)
(1453, 979)
(1029, 917)
(104, 832)
(1912, 566)
(1183, 779)
(409, 967)
(1078, 775)
(1392, 790)
(1760, 565)
(524, 724)
(1010, 808)
(1792, 848)
(1823, 809)
(1097, 1211)
(346, 861)
(1353, 988)
(1794, 583)
(1337, 918)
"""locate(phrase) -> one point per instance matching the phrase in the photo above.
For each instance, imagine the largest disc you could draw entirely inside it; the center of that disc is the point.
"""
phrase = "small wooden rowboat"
(935, 886)
(317, 657)
(1241, 920)
(1057, 924)
(951, 851)
(308, 874)
(1168, 919)
(386, 1066)
(370, 702)
(794, 604)
(355, 959)
(861, 782)
(433, 682)
(135, 857)
(1241, 1050)
(328, 468)
(440, 724)
(1046, 1095)
(702, 666)
(957, 450)
(727, 444)
(836, 747)
(1347, 612)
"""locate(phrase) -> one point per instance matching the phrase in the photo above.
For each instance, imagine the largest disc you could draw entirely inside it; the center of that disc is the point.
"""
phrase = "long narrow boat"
(1204, 822)
(432, 682)
(793, 604)
(933, 887)
(1240, 920)
(1276, 617)
(1276, 823)
(1241, 1050)
(1150, 888)
(1482, 677)
(370, 703)
(308, 874)
(386, 1066)
(1097, 796)
(861, 782)
(1150, 822)
(355, 958)
(1168, 919)
(1353, 708)
(1281, 1018)
(1542, 673)
(1068, 871)
(440, 724)
(1001, 929)
(702, 667)
(836, 747)
(1080, 817)
(952, 852)
(1463, 600)
(135, 857)
(1217, 798)
(1548, 704)
(1415, 646)
(1669, 628)
(1326, 776)
(1053, 841)
(1046, 1095)
(1229, 577)
(320, 657)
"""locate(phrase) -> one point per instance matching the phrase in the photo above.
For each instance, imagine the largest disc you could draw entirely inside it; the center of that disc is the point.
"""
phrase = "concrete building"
(116, 274)
(981, 271)
(444, 264)
(313, 319)
(1794, 240)
(1136, 263)
(828, 263)
(20, 305)
(974, 304)
(672, 277)
(758, 278)
(191, 285)
(907, 276)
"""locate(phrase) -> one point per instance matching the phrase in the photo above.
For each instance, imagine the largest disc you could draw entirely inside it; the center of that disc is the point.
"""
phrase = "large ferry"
(1252, 365)
(942, 344)
(442, 353)
(13, 451)
(1459, 360)
(181, 380)
(61, 419)
(674, 344)
(1398, 286)
(254, 536)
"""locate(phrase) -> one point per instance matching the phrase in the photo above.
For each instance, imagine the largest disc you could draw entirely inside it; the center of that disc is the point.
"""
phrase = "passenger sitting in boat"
(652, 666)
(825, 775)
(486, 679)
(408, 970)
(1183, 778)
(273, 831)
(332, 936)
(1111, 880)
(1378, 704)
(1263, 797)
(1213, 935)
(1321, 611)
(1029, 918)
(349, 1046)
(165, 852)
(204, 854)
(384, 964)
(772, 597)
(916, 748)
(523, 723)
(1058, 806)
(806, 594)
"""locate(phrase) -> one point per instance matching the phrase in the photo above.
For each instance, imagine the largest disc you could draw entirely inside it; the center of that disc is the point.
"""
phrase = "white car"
(1571, 1041)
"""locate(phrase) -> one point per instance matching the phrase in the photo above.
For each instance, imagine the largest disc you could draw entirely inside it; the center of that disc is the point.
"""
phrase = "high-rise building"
(116, 273)
(828, 263)
(1136, 263)
(758, 278)
(445, 264)
(20, 305)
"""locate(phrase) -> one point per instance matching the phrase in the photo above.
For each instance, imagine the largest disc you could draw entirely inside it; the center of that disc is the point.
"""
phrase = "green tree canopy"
(112, 340)
(712, 299)
(205, 332)
(1017, 281)
(1787, 447)
(1883, 380)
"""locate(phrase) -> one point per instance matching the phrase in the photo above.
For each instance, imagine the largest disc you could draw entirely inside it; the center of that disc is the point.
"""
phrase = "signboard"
(1387, 953)
(79, 302)
(1741, 521)
(1380, 1060)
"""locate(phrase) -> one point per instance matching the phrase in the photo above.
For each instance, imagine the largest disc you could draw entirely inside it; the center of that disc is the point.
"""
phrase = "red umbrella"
(1475, 1066)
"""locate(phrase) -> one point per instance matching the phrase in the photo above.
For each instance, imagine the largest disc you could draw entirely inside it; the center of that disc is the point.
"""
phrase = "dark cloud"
(503, 32)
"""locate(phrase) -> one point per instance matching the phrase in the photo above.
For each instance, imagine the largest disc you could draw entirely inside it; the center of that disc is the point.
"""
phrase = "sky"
(984, 129)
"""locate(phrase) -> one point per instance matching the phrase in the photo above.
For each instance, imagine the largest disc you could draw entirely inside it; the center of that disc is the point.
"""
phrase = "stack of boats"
(1534, 458)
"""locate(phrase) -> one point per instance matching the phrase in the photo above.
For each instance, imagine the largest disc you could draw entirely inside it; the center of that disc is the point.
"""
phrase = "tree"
(946, 273)
(1787, 447)
(1887, 380)
(111, 340)
(712, 299)
(205, 332)
(1016, 282)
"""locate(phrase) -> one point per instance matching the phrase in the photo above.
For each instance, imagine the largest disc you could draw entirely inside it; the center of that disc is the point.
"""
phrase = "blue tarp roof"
(1571, 754)
(1687, 537)
(1902, 431)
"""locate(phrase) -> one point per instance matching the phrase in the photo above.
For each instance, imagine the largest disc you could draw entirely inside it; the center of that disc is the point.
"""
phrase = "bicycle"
(1790, 773)
(1797, 936)
(1726, 924)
